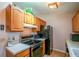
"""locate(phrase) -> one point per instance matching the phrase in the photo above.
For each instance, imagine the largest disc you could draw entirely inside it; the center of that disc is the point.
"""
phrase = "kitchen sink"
(76, 52)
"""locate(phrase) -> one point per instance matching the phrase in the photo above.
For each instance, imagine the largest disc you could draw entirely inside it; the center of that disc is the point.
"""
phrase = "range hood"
(29, 26)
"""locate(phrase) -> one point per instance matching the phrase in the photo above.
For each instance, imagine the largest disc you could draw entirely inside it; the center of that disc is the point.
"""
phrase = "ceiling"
(42, 7)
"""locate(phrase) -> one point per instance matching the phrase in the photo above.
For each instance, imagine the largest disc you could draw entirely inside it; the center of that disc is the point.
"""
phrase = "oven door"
(37, 51)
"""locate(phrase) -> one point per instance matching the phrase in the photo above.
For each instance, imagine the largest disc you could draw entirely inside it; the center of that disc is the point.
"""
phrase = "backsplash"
(13, 36)
(26, 32)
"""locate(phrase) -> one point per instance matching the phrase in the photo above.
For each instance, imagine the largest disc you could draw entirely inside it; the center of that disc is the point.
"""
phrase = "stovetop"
(31, 42)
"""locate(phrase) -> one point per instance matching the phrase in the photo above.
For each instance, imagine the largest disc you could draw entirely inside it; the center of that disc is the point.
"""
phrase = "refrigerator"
(49, 39)
(47, 33)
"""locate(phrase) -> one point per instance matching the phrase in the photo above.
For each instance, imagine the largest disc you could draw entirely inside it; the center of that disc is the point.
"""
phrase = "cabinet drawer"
(24, 53)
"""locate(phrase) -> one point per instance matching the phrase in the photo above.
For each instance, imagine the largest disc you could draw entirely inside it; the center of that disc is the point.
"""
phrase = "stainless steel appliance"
(49, 39)
(75, 37)
(47, 33)
(35, 47)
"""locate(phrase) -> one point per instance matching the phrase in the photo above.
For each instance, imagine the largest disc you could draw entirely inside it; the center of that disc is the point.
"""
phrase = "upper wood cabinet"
(42, 22)
(29, 19)
(75, 22)
(14, 19)
(38, 23)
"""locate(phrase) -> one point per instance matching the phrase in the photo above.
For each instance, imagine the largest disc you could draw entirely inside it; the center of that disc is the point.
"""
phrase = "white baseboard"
(59, 50)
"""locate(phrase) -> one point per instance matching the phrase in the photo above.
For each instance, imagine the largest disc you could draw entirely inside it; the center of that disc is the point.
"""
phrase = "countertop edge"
(14, 53)
(70, 48)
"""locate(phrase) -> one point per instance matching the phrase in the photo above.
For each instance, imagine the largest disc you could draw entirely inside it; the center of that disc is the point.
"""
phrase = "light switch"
(1, 27)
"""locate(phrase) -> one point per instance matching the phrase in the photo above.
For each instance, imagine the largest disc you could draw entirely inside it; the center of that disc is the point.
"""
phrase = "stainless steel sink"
(76, 52)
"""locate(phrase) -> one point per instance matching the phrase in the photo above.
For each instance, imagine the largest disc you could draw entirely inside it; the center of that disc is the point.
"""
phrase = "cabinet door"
(75, 23)
(43, 47)
(33, 20)
(25, 53)
(17, 20)
(42, 22)
(29, 19)
(38, 24)
(8, 18)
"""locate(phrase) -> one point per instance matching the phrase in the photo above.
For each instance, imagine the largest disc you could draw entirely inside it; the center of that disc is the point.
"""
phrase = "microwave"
(75, 37)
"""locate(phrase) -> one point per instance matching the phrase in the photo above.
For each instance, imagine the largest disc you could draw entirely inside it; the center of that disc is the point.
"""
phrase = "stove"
(35, 47)
(31, 42)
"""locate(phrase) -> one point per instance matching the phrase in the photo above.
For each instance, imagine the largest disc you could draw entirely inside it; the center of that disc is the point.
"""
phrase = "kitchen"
(26, 33)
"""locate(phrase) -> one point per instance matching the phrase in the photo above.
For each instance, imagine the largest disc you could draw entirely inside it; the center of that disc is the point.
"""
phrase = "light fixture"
(29, 26)
(54, 4)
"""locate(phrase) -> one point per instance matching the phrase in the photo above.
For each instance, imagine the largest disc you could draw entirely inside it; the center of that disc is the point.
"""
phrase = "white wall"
(62, 27)
(3, 33)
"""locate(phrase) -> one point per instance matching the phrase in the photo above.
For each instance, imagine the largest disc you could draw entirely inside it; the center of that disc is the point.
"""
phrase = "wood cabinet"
(75, 22)
(25, 53)
(29, 19)
(38, 23)
(43, 48)
(14, 19)
(42, 22)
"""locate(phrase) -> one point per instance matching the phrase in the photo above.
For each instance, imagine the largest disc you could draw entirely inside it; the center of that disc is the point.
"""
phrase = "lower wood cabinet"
(43, 44)
(25, 53)
(43, 48)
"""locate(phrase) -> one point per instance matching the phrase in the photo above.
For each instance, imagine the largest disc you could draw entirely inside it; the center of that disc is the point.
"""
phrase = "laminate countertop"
(17, 48)
(73, 48)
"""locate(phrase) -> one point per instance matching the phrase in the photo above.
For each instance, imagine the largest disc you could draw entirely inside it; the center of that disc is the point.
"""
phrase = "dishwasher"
(37, 51)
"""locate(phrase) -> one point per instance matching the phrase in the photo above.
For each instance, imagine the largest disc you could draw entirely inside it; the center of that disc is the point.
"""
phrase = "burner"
(31, 42)
(36, 41)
